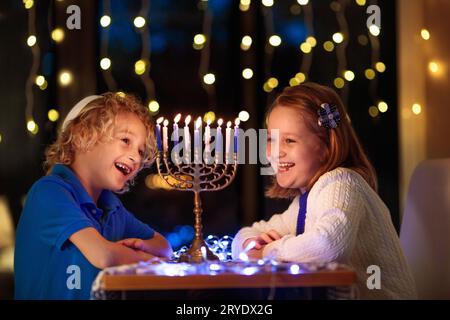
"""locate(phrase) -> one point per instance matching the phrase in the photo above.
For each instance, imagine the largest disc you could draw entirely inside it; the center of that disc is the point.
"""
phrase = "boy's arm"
(157, 245)
(103, 253)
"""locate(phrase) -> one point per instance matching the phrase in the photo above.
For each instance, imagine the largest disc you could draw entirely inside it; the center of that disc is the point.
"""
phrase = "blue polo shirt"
(46, 264)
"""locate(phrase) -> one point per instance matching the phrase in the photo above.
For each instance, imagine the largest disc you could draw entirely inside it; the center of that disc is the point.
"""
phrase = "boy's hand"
(263, 239)
(134, 243)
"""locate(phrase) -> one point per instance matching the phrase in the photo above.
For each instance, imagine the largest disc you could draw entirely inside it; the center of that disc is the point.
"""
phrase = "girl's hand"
(263, 239)
(254, 254)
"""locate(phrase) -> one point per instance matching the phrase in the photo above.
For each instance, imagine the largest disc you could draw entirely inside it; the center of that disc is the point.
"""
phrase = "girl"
(336, 214)
(72, 223)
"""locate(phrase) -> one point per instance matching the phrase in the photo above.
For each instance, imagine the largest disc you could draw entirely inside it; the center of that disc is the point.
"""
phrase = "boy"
(72, 224)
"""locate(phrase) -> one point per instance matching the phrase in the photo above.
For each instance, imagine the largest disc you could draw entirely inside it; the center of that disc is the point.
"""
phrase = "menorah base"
(195, 254)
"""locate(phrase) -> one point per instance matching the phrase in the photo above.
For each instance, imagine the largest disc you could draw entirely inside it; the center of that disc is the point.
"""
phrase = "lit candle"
(158, 132)
(187, 139)
(227, 141)
(176, 136)
(207, 136)
(219, 142)
(165, 136)
(236, 131)
(197, 141)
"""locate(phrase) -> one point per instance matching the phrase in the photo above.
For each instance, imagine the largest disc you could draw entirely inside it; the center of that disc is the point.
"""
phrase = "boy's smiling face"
(113, 162)
(299, 149)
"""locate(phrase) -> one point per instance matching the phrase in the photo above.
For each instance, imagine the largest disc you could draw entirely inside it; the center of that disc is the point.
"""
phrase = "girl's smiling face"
(300, 150)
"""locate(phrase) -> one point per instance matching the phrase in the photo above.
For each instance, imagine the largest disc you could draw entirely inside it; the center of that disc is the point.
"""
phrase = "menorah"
(198, 176)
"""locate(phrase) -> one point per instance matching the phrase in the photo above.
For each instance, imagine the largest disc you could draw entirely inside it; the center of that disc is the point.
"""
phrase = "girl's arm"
(281, 223)
(103, 253)
(339, 205)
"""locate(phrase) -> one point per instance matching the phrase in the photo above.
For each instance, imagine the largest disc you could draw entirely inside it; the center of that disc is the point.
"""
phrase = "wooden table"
(341, 277)
(337, 278)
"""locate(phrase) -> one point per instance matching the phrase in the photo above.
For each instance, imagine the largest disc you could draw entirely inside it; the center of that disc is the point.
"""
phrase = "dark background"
(174, 69)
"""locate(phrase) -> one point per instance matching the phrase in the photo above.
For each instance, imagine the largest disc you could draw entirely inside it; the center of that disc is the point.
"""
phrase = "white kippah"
(75, 111)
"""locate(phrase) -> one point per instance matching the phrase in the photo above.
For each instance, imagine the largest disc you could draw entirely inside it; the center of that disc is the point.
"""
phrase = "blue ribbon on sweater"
(302, 213)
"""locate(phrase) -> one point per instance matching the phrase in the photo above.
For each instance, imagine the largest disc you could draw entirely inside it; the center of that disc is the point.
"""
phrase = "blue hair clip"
(329, 116)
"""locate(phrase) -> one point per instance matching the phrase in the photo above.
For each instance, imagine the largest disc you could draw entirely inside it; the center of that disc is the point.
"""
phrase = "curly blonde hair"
(94, 124)
(342, 146)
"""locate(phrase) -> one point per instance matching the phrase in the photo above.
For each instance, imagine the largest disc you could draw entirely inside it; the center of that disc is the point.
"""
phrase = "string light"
(369, 73)
(58, 35)
(139, 22)
(433, 67)
(140, 67)
(382, 106)
(244, 5)
(246, 43)
(199, 41)
(153, 106)
(339, 83)
(31, 40)
(425, 34)
(380, 67)
(65, 78)
(105, 63)
(209, 78)
(338, 37)
(374, 30)
(244, 116)
(275, 40)
(373, 111)
(311, 41)
(301, 77)
(416, 108)
(267, 3)
(305, 47)
(53, 115)
(247, 73)
(105, 21)
(328, 46)
(209, 117)
(294, 82)
(36, 53)
(349, 75)
(40, 80)
(372, 35)
(32, 127)
(28, 4)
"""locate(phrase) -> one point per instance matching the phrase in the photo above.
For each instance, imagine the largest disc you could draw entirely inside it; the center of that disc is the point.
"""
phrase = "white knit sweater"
(346, 222)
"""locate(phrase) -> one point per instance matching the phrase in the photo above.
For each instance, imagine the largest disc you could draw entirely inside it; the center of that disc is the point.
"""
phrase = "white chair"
(425, 229)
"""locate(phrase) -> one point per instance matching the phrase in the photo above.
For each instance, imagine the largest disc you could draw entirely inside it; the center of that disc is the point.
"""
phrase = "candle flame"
(220, 121)
(208, 122)
(187, 120)
(165, 123)
(160, 119)
(198, 123)
(177, 118)
(237, 122)
(228, 124)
